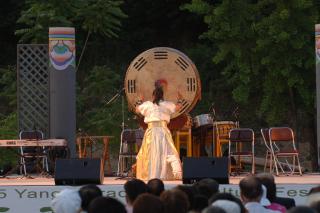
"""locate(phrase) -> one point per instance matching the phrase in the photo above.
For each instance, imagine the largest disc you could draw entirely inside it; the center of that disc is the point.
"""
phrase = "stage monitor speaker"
(78, 171)
(195, 169)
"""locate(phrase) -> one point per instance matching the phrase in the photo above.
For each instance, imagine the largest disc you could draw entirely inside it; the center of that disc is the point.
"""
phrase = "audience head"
(267, 180)
(155, 186)
(227, 205)
(265, 175)
(67, 201)
(134, 188)
(313, 200)
(213, 209)
(250, 189)
(106, 205)
(87, 194)
(148, 203)
(175, 201)
(227, 196)
(301, 209)
(200, 202)
(207, 187)
(314, 190)
(190, 191)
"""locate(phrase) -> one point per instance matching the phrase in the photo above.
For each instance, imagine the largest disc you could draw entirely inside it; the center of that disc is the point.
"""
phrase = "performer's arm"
(178, 106)
(179, 103)
(140, 101)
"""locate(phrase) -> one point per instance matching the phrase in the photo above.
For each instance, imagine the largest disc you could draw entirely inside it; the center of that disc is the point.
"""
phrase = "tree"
(93, 16)
(266, 49)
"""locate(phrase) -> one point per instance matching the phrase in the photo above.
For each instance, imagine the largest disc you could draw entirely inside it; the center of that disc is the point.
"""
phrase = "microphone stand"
(118, 94)
(213, 116)
(235, 114)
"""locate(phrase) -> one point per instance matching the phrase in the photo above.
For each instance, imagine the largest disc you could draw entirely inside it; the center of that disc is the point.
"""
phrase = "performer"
(158, 157)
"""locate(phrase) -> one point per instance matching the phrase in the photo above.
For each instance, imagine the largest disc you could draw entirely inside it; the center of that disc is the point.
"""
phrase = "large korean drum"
(169, 66)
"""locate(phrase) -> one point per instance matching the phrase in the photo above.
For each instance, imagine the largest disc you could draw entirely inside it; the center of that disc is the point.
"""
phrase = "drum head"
(169, 66)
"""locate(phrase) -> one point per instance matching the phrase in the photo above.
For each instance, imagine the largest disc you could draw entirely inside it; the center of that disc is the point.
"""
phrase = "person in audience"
(301, 209)
(155, 186)
(250, 193)
(148, 203)
(87, 194)
(267, 179)
(227, 205)
(106, 205)
(313, 199)
(213, 209)
(190, 191)
(67, 201)
(175, 201)
(269, 194)
(207, 187)
(227, 196)
(314, 190)
(133, 189)
(200, 202)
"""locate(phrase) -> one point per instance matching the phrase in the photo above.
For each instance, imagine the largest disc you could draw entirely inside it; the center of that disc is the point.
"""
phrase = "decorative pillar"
(317, 51)
(62, 70)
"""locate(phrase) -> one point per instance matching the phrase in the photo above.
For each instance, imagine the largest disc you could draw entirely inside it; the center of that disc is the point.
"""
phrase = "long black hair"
(157, 95)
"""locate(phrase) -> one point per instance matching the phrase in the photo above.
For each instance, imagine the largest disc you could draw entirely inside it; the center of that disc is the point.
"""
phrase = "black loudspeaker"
(78, 171)
(195, 169)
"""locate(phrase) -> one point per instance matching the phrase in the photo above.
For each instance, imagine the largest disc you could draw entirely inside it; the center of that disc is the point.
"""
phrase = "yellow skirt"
(158, 157)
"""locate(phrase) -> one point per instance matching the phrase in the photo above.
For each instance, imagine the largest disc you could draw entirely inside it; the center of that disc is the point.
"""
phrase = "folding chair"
(283, 146)
(269, 157)
(239, 140)
(28, 154)
(222, 129)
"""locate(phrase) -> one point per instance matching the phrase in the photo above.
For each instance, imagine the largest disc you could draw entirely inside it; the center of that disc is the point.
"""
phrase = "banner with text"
(33, 199)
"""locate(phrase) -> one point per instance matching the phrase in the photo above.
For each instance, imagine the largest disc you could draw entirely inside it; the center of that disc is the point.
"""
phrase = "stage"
(35, 194)
(17, 180)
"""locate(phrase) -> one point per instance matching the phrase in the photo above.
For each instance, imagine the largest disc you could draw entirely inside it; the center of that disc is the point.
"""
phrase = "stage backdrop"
(38, 198)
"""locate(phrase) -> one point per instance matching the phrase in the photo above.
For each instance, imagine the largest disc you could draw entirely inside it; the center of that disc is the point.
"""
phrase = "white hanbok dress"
(158, 157)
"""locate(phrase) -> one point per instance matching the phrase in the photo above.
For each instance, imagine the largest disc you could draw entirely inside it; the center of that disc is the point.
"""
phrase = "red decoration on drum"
(161, 83)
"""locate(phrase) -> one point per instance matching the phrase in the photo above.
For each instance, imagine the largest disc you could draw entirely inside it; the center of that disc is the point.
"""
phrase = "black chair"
(32, 154)
(130, 139)
(241, 144)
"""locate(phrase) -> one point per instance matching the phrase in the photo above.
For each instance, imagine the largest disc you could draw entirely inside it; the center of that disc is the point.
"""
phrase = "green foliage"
(93, 114)
(100, 16)
(4, 209)
(94, 16)
(266, 50)
(46, 209)
(8, 115)
(8, 96)
(8, 130)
